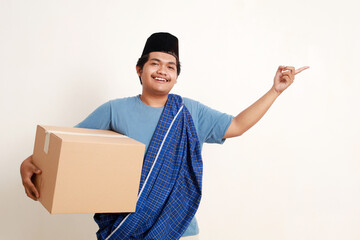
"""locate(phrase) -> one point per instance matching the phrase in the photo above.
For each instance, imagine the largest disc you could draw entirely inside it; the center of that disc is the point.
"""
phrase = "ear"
(138, 71)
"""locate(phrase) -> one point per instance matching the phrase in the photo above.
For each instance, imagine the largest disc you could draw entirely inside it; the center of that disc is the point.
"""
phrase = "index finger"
(30, 187)
(299, 70)
(291, 69)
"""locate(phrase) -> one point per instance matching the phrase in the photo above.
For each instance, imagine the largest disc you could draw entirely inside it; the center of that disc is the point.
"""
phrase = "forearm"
(251, 115)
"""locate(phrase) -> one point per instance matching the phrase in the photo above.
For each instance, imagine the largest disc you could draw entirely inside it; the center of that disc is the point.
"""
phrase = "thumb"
(36, 170)
(278, 72)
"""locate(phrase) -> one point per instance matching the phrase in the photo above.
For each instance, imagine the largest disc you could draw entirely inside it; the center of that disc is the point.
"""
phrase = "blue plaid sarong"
(170, 185)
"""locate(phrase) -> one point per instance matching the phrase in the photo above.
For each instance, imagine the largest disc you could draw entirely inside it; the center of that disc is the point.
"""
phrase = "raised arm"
(284, 77)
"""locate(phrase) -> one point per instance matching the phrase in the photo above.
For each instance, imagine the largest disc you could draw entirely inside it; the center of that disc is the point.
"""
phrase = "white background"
(295, 175)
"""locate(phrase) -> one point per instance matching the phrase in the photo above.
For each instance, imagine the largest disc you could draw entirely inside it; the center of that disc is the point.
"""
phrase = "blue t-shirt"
(131, 117)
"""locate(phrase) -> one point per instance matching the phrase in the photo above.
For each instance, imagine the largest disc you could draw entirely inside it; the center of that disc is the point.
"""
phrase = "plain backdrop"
(294, 176)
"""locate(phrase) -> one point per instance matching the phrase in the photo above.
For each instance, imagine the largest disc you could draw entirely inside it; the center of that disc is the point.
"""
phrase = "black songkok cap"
(162, 42)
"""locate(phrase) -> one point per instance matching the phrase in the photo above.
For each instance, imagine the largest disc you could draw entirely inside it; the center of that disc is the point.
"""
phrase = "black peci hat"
(162, 42)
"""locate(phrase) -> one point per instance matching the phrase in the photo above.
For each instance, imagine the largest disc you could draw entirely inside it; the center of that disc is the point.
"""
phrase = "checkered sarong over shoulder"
(170, 186)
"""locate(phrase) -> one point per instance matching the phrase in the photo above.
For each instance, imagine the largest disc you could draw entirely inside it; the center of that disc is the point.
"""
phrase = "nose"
(162, 70)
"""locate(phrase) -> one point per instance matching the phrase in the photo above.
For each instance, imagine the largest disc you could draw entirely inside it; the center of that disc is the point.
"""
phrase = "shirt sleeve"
(211, 124)
(98, 119)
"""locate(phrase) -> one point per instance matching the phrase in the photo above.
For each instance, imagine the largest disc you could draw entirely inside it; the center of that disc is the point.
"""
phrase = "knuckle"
(29, 185)
(25, 184)
(27, 181)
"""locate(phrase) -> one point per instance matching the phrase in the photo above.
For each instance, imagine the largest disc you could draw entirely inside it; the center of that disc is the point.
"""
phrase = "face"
(159, 74)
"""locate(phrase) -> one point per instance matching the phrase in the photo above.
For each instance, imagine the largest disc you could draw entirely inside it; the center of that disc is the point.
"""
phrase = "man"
(173, 129)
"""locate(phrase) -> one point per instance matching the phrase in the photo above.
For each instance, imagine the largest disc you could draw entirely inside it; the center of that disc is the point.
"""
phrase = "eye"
(172, 68)
(154, 63)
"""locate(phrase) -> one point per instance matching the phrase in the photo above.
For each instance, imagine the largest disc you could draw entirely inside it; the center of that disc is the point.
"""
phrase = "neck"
(154, 101)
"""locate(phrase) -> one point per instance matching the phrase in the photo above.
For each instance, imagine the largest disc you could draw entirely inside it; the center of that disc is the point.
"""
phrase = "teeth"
(161, 79)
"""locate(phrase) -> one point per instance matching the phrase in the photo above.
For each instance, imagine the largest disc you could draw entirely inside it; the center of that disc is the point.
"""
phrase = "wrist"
(274, 92)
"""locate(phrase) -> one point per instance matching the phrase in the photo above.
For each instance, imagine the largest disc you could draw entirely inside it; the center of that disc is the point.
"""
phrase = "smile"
(161, 79)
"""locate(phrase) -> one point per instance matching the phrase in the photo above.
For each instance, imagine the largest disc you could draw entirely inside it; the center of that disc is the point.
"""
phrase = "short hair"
(143, 59)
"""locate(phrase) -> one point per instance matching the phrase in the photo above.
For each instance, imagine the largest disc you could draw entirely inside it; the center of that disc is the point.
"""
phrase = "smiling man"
(158, 76)
(174, 130)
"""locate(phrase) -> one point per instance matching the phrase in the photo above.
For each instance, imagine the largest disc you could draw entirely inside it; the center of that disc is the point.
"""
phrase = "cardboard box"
(87, 170)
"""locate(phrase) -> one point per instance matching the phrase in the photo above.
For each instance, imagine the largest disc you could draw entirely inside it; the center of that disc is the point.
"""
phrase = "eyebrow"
(158, 60)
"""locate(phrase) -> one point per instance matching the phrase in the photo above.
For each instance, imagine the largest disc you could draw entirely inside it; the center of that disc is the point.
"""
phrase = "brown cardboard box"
(87, 170)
